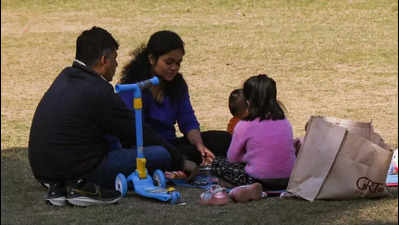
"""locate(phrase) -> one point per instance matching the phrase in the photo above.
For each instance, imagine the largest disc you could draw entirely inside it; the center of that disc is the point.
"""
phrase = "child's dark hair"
(237, 104)
(139, 68)
(261, 93)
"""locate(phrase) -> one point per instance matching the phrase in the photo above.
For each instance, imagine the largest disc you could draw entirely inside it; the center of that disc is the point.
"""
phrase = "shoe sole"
(245, 194)
(221, 201)
(84, 201)
(60, 201)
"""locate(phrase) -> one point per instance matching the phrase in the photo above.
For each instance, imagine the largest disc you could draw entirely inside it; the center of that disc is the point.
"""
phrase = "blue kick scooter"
(143, 183)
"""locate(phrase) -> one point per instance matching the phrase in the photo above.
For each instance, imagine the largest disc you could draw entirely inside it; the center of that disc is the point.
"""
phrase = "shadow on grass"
(22, 199)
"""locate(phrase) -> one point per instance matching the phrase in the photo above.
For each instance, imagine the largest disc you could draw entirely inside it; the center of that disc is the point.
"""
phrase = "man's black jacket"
(68, 128)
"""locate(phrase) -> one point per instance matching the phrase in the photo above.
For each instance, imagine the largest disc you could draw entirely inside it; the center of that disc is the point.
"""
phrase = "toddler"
(238, 108)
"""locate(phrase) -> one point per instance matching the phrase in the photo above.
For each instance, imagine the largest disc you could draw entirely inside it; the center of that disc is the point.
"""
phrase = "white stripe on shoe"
(59, 201)
(85, 201)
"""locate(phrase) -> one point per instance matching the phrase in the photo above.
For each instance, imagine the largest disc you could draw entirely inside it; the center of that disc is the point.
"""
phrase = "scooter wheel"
(175, 197)
(121, 184)
(159, 179)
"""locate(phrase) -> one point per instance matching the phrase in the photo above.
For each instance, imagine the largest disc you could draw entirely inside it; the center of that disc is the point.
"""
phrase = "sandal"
(216, 195)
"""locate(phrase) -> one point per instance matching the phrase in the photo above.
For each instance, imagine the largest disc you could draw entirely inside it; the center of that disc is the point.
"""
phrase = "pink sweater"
(266, 147)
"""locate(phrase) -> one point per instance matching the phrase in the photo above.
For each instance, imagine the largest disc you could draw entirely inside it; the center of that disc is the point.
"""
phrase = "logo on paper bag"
(364, 183)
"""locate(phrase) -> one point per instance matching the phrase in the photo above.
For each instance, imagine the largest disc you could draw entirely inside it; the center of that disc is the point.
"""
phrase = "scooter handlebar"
(142, 85)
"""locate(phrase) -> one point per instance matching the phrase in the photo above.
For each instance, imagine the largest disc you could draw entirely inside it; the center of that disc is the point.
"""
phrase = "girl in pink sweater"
(262, 147)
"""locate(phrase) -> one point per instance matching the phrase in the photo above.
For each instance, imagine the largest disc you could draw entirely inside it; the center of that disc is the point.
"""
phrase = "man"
(68, 147)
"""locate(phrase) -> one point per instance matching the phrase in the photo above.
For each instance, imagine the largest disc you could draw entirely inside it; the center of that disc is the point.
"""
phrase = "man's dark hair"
(237, 104)
(94, 43)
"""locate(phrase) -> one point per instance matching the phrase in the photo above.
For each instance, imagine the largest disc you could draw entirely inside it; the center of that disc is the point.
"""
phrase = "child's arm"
(237, 146)
(232, 123)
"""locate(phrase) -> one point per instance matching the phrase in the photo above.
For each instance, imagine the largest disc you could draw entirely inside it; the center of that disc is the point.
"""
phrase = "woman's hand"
(206, 155)
(194, 137)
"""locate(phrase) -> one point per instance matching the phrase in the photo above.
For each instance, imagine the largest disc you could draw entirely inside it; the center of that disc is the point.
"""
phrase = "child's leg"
(247, 188)
(233, 173)
(247, 193)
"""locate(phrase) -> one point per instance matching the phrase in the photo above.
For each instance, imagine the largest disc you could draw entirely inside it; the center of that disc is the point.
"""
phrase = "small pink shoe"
(247, 193)
(216, 195)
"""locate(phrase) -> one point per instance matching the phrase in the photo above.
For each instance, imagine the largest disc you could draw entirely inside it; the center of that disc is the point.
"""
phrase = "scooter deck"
(145, 187)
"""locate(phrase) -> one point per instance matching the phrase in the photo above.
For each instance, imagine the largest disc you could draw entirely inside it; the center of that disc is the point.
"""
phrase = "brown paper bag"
(340, 159)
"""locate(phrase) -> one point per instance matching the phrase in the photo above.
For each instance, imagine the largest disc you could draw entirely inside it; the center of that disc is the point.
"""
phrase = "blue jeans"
(121, 160)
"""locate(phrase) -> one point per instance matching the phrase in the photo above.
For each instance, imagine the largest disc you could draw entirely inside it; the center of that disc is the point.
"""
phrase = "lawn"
(331, 58)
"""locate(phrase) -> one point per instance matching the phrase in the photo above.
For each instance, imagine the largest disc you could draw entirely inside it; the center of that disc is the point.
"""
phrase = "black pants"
(235, 174)
(216, 141)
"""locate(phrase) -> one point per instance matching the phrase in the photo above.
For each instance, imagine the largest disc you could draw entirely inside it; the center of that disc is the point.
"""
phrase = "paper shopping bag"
(339, 160)
(364, 129)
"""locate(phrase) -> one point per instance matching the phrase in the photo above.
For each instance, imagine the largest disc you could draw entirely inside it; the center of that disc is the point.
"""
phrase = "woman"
(169, 102)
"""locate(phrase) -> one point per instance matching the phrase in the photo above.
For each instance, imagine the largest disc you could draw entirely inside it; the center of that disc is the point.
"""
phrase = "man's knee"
(156, 153)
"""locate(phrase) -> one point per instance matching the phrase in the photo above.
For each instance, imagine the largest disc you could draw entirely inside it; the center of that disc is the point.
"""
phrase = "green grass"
(331, 58)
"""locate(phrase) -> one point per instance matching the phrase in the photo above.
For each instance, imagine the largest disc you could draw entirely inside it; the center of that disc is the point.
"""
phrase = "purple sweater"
(163, 117)
(266, 147)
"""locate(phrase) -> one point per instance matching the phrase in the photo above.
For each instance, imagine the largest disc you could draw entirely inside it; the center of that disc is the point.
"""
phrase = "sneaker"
(216, 195)
(56, 194)
(247, 193)
(82, 193)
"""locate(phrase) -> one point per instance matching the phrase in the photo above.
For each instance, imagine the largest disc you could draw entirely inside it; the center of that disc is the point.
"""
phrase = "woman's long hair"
(140, 68)
(261, 93)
